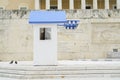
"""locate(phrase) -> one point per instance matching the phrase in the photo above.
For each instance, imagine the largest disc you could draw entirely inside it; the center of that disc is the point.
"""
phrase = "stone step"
(60, 68)
(16, 76)
(56, 72)
(27, 71)
(93, 78)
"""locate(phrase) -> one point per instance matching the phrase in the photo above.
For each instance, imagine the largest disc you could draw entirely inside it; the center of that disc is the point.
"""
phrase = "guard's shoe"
(11, 62)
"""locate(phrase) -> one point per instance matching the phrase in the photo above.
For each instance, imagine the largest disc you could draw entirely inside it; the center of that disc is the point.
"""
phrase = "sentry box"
(45, 34)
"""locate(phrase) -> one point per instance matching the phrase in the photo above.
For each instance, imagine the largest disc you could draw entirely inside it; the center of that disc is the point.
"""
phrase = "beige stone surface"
(15, 4)
(94, 38)
(106, 33)
(16, 40)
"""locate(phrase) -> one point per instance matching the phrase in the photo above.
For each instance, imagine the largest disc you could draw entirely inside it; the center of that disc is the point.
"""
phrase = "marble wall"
(94, 37)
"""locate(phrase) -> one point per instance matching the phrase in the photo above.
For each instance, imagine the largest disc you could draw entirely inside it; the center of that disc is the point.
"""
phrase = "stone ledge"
(71, 14)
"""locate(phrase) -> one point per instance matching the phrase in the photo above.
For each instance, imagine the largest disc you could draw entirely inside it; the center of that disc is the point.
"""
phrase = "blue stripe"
(45, 17)
(66, 22)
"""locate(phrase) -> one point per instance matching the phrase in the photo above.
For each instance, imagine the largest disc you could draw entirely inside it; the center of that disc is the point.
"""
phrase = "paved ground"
(68, 62)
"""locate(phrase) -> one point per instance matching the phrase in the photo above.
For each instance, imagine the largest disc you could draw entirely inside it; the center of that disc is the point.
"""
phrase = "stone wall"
(16, 36)
(94, 37)
(93, 14)
(16, 4)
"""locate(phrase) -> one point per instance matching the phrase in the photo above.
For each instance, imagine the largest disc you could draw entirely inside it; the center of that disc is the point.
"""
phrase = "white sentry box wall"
(45, 51)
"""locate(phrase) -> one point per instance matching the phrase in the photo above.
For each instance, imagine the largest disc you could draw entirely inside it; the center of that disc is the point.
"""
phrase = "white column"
(118, 4)
(47, 4)
(95, 6)
(71, 4)
(83, 4)
(106, 4)
(37, 4)
(59, 4)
